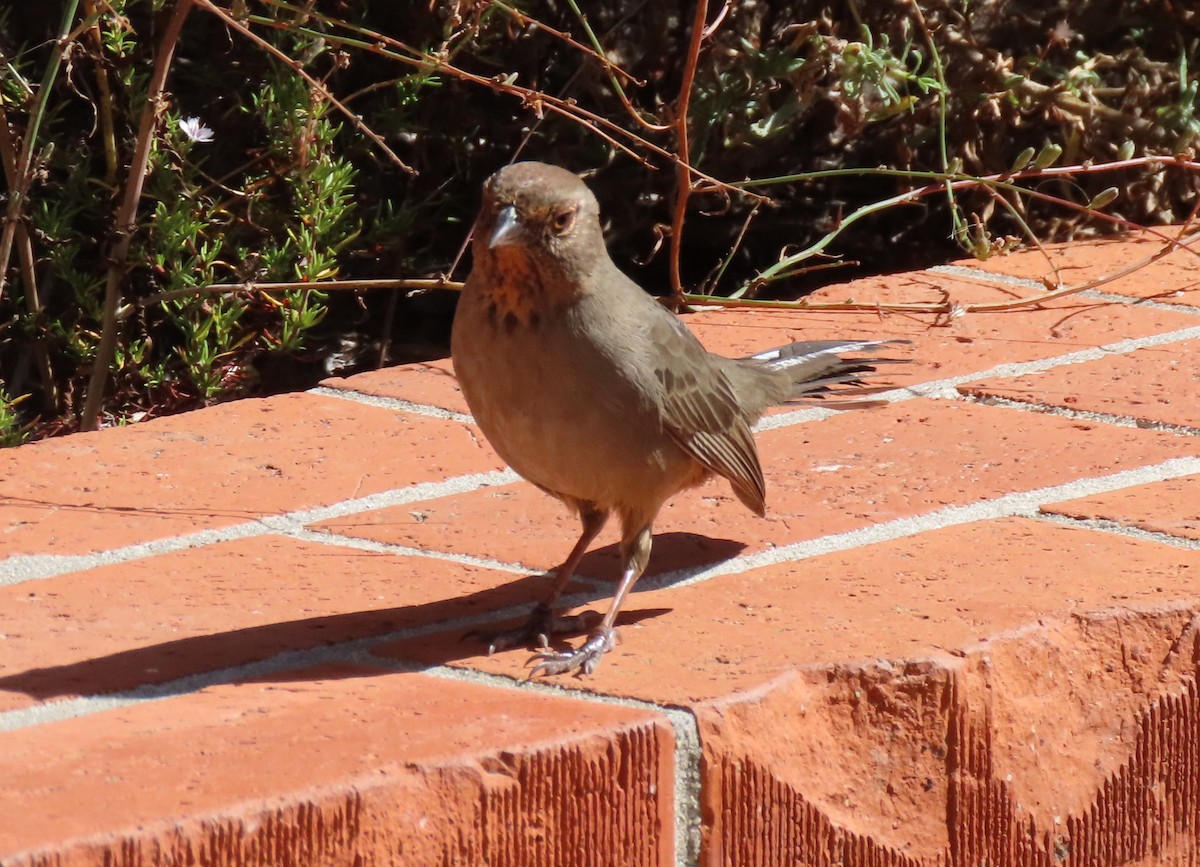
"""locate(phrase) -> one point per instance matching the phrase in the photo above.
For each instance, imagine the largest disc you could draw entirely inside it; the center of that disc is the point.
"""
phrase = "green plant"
(192, 185)
(12, 433)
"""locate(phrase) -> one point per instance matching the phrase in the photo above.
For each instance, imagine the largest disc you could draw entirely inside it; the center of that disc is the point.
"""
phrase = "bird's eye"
(562, 222)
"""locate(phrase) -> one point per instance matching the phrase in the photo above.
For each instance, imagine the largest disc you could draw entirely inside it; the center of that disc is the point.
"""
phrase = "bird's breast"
(560, 404)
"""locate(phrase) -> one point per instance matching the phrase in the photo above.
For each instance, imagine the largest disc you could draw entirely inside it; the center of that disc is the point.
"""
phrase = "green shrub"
(295, 146)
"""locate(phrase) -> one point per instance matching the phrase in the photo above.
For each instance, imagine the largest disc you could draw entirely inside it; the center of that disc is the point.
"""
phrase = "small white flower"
(194, 129)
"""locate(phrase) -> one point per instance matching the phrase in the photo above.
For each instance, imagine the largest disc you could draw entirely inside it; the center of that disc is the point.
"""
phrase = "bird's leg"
(635, 552)
(543, 624)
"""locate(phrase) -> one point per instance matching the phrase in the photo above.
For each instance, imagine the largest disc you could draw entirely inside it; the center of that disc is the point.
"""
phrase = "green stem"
(938, 181)
(23, 174)
(125, 223)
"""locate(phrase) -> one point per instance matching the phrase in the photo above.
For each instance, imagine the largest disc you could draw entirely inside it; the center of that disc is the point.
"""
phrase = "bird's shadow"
(282, 651)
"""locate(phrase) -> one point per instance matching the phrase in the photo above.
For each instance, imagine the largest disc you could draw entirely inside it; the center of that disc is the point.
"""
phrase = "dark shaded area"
(780, 88)
(203, 657)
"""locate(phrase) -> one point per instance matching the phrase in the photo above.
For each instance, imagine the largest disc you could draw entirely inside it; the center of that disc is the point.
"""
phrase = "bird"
(600, 396)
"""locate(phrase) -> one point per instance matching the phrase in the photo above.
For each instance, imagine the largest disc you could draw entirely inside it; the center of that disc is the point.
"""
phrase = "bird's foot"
(542, 625)
(584, 660)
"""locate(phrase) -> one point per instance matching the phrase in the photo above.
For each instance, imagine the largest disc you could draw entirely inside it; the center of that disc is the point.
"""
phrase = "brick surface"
(226, 465)
(430, 383)
(846, 472)
(978, 341)
(1154, 384)
(121, 626)
(841, 697)
(897, 600)
(1174, 279)
(1017, 691)
(341, 767)
(1072, 742)
(1170, 507)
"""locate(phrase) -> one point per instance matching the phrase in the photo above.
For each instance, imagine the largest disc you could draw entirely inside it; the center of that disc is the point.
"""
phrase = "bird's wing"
(701, 412)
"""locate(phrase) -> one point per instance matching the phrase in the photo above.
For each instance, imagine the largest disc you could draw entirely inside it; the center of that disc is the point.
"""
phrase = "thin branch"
(948, 307)
(939, 183)
(125, 223)
(956, 215)
(23, 175)
(610, 67)
(1030, 235)
(104, 105)
(714, 279)
(536, 100)
(697, 300)
(683, 169)
(29, 282)
(1178, 160)
(419, 285)
(595, 50)
(298, 68)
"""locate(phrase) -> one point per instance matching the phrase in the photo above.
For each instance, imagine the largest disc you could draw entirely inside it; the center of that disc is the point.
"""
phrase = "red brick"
(342, 767)
(945, 347)
(1010, 692)
(1154, 384)
(153, 620)
(1171, 507)
(864, 698)
(1174, 279)
(431, 383)
(217, 467)
(1075, 737)
(738, 332)
(849, 471)
(897, 600)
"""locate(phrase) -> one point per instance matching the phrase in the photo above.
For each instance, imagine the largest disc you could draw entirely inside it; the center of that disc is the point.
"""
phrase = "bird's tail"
(829, 373)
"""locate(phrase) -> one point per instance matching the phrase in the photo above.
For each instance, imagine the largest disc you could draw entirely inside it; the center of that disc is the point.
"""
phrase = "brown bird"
(600, 396)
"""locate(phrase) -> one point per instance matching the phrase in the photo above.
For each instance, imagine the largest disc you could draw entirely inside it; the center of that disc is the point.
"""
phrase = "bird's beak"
(506, 229)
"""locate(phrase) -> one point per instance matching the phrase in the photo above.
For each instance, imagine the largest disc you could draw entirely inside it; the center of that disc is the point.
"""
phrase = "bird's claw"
(537, 631)
(582, 661)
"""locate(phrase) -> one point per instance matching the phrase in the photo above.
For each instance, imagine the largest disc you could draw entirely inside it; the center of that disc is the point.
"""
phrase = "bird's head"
(541, 217)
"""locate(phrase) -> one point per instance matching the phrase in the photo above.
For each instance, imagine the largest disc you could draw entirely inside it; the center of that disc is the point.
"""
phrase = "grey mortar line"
(982, 276)
(72, 708)
(1022, 503)
(1134, 301)
(25, 567)
(19, 568)
(1091, 415)
(686, 796)
(979, 275)
(948, 386)
(1025, 503)
(393, 403)
(945, 387)
(339, 540)
(1105, 525)
(28, 567)
(1098, 295)
(400, 497)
